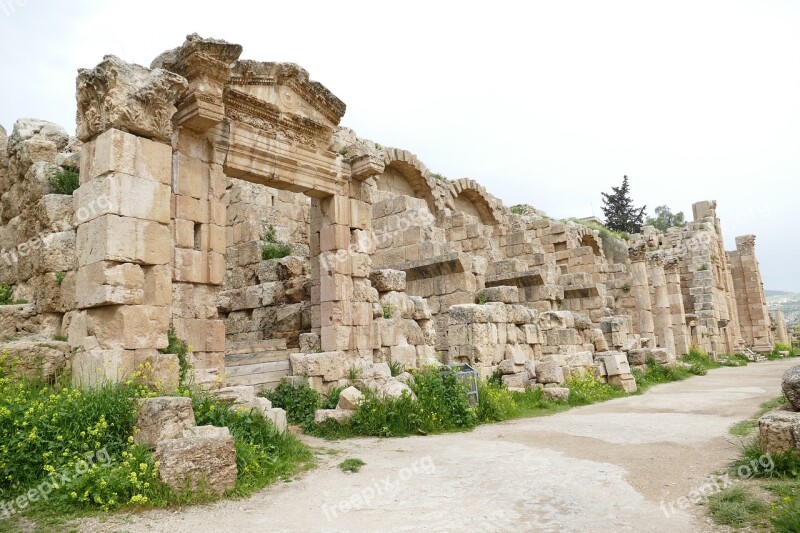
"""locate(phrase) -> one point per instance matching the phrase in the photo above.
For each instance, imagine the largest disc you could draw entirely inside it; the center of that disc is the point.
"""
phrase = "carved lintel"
(671, 264)
(366, 166)
(746, 244)
(129, 97)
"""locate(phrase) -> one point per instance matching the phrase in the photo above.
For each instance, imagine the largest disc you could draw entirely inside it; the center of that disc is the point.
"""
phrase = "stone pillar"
(662, 315)
(199, 214)
(341, 244)
(677, 310)
(123, 243)
(781, 332)
(749, 289)
(640, 288)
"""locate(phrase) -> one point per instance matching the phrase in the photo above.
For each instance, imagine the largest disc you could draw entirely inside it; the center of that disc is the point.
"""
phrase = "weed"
(331, 400)
(656, 374)
(481, 298)
(354, 373)
(626, 288)
(177, 346)
(65, 180)
(7, 295)
(343, 152)
(60, 278)
(351, 465)
(703, 267)
(438, 177)
(60, 338)
(387, 311)
(585, 389)
(396, 368)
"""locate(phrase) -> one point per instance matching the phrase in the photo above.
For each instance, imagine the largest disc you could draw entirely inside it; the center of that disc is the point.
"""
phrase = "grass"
(351, 465)
(66, 180)
(273, 249)
(736, 507)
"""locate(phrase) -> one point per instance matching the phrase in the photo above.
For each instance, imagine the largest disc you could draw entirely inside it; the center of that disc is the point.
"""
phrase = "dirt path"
(610, 467)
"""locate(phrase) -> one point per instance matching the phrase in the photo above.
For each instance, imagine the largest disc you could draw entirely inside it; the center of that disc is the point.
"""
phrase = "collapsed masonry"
(189, 167)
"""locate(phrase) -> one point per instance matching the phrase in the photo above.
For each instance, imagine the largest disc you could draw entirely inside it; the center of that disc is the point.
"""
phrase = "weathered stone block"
(204, 456)
(124, 240)
(162, 418)
(109, 283)
(350, 398)
(158, 371)
(779, 431)
(388, 280)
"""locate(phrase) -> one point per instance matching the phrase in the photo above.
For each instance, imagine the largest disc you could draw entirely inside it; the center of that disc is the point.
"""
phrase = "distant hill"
(778, 293)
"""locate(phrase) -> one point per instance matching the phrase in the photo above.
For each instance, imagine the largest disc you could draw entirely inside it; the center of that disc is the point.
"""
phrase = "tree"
(666, 219)
(619, 211)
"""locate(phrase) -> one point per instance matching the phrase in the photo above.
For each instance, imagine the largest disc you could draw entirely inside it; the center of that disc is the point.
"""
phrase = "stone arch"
(489, 208)
(418, 177)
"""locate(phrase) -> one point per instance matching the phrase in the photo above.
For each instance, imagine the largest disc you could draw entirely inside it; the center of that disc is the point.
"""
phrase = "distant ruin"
(192, 169)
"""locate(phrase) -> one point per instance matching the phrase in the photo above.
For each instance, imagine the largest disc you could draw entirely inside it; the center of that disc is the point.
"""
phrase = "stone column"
(749, 288)
(661, 310)
(199, 214)
(677, 310)
(123, 242)
(640, 288)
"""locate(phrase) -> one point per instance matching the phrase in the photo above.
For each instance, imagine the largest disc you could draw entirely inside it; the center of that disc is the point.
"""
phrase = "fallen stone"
(162, 418)
(338, 415)
(556, 393)
(779, 431)
(203, 457)
(350, 398)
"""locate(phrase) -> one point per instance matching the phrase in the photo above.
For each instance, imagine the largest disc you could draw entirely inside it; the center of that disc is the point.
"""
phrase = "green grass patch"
(7, 295)
(749, 426)
(351, 465)
(657, 374)
(736, 507)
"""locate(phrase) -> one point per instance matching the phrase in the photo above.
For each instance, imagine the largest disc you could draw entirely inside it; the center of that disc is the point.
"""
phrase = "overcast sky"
(546, 103)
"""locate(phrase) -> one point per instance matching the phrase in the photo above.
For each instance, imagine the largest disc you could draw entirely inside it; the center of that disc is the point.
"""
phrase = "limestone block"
(204, 456)
(388, 280)
(779, 431)
(468, 313)
(109, 283)
(555, 320)
(95, 367)
(277, 416)
(790, 384)
(125, 240)
(395, 388)
(157, 285)
(162, 418)
(616, 364)
(202, 335)
(116, 151)
(240, 394)
(34, 360)
(560, 394)
(337, 415)
(129, 326)
(519, 353)
(579, 359)
(549, 371)
(57, 252)
(397, 305)
(310, 343)
(350, 398)
(599, 341)
(638, 356)
(503, 294)
(329, 365)
(507, 367)
(662, 356)
(517, 381)
(336, 338)
(334, 237)
(406, 355)
(123, 195)
(422, 310)
(426, 355)
(158, 371)
(625, 382)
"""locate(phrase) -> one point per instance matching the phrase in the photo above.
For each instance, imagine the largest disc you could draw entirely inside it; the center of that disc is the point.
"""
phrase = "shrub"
(396, 368)
(275, 251)
(66, 180)
(496, 403)
(299, 401)
(787, 516)
(332, 399)
(585, 389)
(699, 361)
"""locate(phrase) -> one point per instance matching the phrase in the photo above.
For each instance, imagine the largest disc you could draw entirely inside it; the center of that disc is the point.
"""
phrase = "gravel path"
(618, 466)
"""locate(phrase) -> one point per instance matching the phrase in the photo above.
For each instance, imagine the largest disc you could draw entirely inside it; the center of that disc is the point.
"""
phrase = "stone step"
(234, 348)
(251, 358)
(257, 368)
(268, 380)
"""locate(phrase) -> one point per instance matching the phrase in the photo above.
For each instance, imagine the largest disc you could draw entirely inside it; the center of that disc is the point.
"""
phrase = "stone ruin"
(191, 168)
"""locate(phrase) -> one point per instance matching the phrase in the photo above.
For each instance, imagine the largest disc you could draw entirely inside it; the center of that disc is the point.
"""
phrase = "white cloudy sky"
(547, 103)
